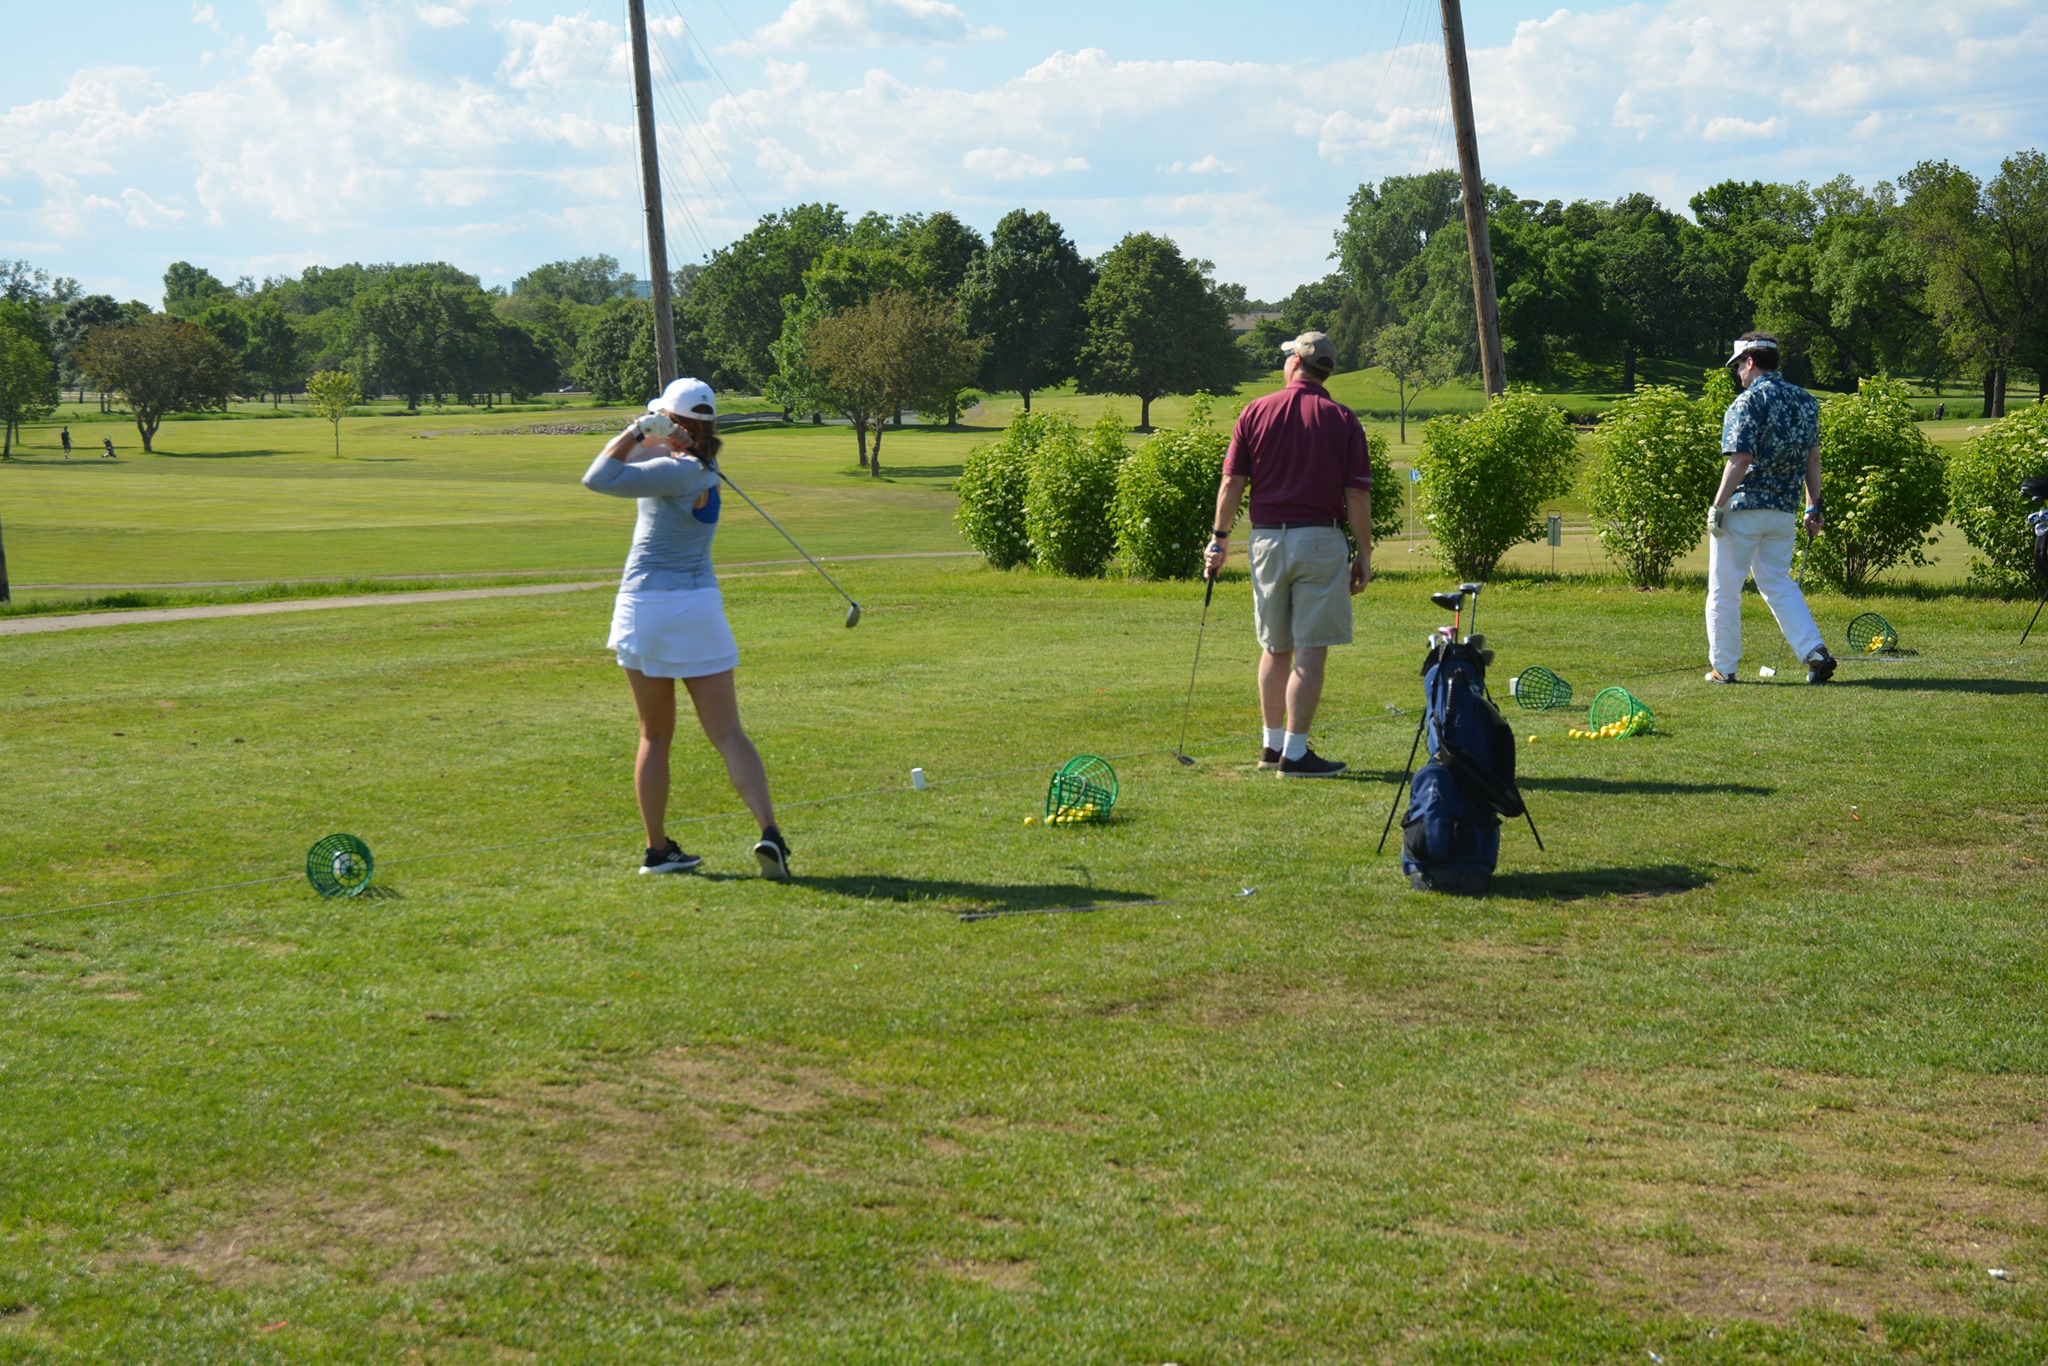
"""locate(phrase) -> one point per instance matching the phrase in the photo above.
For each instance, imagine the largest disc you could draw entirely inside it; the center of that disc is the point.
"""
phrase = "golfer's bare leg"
(1275, 667)
(1305, 686)
(655, 701)
(718, 712)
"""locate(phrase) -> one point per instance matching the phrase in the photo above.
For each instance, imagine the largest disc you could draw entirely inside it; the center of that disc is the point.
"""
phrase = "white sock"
(1294, 746)
(1276, 736)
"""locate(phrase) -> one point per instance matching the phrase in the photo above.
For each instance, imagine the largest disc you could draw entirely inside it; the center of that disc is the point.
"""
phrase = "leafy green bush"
(1882, 481)
(1068, 491)
(1486, 477)
(1386, 494)
(1984, 498)
(1656, 464)
(1166, 496)
(993, 482)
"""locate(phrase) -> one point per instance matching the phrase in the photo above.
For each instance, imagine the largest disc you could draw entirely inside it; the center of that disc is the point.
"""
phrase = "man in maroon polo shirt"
(1305, 458)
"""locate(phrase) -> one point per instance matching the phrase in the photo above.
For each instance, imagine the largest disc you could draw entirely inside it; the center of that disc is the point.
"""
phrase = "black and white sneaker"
(772, 852)
(1269, 759)
(1821, 667)
(669, 860)
(1311, 765)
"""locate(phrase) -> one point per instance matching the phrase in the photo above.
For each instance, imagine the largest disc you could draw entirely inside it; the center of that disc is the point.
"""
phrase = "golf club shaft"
(787, 537)
(1181, 748)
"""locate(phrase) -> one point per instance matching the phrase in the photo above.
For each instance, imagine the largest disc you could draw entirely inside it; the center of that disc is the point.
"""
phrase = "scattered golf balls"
(1031, 820)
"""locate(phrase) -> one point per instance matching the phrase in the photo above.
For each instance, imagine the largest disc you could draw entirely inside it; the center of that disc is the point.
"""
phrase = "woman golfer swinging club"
(669, 620)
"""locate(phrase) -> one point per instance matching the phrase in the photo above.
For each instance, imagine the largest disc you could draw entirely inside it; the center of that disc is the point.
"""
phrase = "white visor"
(1749, 344)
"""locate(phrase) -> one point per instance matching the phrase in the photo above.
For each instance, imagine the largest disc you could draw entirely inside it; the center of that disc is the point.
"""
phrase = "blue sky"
(258, 136)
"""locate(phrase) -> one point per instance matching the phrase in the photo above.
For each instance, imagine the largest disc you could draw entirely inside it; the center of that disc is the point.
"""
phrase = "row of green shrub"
(1657, 462)
(1081, 502)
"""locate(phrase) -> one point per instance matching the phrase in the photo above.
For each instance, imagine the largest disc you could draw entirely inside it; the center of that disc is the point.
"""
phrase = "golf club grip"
(1209, 592)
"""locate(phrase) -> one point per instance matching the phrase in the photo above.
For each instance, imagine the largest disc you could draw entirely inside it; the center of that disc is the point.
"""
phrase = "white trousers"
(1756, 542)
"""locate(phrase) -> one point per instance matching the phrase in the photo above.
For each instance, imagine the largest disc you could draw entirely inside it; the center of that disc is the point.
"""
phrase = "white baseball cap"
(690, 397)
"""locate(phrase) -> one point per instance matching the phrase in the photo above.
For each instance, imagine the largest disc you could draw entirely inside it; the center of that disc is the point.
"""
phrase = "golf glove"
(654, 426)
(1717, 520)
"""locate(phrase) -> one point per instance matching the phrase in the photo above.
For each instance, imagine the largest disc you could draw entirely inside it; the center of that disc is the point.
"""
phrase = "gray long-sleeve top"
(672, 539)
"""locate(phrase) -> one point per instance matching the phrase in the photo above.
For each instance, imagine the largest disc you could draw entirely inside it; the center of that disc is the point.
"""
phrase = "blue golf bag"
(1450, 838)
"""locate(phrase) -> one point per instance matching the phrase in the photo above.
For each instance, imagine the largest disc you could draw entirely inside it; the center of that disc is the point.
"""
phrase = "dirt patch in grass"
(493, 1161)
(1000, 1274)
(1762, 1196)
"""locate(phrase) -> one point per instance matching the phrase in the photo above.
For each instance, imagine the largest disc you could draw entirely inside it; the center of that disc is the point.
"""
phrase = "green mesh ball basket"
(1619, 704)
(1538, 689)
(1083, 790)
(1871, 634)
(339, 865)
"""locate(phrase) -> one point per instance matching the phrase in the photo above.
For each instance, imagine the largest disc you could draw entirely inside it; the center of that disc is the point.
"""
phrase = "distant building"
(1241, 323)
(641, 289)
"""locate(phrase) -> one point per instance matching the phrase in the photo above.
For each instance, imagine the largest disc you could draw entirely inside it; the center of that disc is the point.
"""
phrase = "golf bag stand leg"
(2036, 617)
(1405, 775)
(1532, 827)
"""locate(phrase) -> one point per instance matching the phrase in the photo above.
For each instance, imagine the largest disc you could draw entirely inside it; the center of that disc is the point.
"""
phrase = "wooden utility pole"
(650, 196)
(1492, 361)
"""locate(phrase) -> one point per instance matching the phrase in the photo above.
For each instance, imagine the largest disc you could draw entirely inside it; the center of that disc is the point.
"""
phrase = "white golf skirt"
(673, 633)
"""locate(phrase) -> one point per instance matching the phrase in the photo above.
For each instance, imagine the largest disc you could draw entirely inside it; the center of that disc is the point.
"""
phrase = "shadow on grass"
(921, 472)
(1994, 687)
(214, 455)
(951, 896)
(1637, 787)
(1578, 884)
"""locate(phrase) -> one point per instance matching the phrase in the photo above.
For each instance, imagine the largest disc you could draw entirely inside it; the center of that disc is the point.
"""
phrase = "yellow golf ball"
(1031, 820)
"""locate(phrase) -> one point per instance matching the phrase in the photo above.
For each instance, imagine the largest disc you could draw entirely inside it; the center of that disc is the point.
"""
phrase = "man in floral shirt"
(1771, 438)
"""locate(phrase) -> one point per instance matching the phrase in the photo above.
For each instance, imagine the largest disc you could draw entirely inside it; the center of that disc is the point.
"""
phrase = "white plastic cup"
(1766, 671)
(917, 779)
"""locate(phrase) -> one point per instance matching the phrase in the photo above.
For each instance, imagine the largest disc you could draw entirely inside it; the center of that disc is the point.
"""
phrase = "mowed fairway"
(1749, 1065)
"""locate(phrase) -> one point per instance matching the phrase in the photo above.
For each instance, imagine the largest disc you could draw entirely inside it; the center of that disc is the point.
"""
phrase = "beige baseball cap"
(1315, 349)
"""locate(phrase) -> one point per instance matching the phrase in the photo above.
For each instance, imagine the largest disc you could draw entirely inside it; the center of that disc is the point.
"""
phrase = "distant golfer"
(1771, 438)
(108, 442)
(64, 439)
(669, 619)
(1305, 457)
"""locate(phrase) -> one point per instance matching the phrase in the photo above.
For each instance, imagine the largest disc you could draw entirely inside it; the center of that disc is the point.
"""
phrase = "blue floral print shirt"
(1777, 422)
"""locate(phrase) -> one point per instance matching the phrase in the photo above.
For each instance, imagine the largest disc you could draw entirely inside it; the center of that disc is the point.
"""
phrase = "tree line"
(1938, 274)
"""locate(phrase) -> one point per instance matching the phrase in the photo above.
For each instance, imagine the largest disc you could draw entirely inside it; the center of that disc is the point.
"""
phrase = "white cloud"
(1206, 166)
(442, 16)
(1000, 163)
(869, 23)
(1730, 129)
(203, 16)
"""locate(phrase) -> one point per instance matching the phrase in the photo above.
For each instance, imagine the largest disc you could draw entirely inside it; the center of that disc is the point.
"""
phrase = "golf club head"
(1472, 588)
(1476, 641)
(1450, 602)
(852, 615)
(1185, 760)
(1486, 658)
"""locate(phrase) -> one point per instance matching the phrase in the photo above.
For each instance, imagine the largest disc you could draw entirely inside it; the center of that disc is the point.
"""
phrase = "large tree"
(941, 249)
(585, 280)
(28, 382)
(273, 355)
(1028, 295)
(1986, 253)
(1155, 327)
(69, 329)
(896, 350)
(190, 290)
(739, 297)
(160, 365)
(1384, 230)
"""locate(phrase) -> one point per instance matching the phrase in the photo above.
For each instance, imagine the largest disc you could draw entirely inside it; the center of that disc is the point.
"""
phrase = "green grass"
(1748, 1065)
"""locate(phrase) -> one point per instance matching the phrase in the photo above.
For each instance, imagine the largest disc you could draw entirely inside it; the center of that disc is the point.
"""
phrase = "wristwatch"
(1220, 535)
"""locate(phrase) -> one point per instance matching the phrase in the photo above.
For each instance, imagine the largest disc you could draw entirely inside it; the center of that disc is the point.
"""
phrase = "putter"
(1472, 589)
(852, 607)
(1180, 750)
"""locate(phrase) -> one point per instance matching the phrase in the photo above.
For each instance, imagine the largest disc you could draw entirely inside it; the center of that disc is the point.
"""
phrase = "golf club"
(1180, 750)
(1453, 603)
(852, 607)
(1472, 591)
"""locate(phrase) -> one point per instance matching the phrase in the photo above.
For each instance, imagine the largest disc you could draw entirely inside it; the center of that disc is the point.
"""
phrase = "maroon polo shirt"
(1301, 449)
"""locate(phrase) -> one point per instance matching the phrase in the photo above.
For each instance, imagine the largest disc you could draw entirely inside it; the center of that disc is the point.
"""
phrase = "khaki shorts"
(1301, 588)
